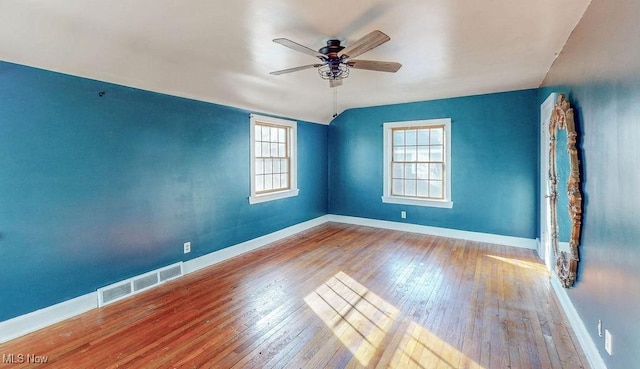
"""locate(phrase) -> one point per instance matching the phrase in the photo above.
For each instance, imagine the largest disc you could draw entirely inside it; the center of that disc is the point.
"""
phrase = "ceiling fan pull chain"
(335, 102)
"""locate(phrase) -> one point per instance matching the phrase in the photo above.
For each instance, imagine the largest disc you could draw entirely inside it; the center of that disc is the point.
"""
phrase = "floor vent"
(131, 286)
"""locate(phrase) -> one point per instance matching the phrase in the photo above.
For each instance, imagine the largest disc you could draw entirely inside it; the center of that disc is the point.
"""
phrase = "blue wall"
(95, 189)
(494, 163)
(599, 69)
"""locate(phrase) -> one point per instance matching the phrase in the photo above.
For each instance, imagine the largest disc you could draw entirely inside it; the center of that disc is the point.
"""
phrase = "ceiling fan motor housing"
(332, 49)
(335, 67)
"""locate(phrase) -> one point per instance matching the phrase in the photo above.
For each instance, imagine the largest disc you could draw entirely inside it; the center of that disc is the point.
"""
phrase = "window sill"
(256, 199)
(417, 202)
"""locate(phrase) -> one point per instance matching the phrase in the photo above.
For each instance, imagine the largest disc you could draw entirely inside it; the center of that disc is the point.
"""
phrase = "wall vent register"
(132, 286)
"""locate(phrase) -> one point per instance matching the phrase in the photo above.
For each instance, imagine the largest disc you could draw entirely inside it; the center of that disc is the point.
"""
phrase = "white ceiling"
(222, 51)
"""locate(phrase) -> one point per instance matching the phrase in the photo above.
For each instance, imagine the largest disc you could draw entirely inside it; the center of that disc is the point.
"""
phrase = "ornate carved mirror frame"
(566, 261)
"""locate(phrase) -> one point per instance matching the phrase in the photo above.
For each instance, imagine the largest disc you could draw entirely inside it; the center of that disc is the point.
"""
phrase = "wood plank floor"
(335, 296)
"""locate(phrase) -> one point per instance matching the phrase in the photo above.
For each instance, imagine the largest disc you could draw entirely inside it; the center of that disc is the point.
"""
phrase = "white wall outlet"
(403, 214)
(599, 328)
(187, 247)
(607, 341)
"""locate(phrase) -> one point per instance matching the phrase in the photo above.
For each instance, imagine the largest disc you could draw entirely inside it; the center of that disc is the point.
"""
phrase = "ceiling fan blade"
(380, 66)
(335, 82)
(296, 46)
(366, 43)
(295, 69)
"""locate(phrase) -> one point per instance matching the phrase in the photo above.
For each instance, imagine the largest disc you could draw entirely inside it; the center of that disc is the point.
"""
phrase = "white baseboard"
(582, 334)
(527, 243)
(31, 322)
(215, 257)
(24, 324)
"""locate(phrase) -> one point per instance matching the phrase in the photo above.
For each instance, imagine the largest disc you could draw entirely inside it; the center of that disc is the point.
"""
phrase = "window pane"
(410, 153)
(259, 183)
(273, 134)
(397, 187)
(436, 136)
(410, 171)
(435, 189)
(284, 166)
(423, 153)
(268, 182)
(258, 132)
(282, 150)
(268, 166)
(398, 153)
(265, 149)
(422, 171)
(265, 133)
(276, 166)
(410, 137)
(398, 171)
(398, 137)
(410, 188)
(435, 171)
(284, 180)
(282, 134)
(423, 137)
(258, 149)
(436, 153)
(422, 188)
(276, 181)
(259, 166)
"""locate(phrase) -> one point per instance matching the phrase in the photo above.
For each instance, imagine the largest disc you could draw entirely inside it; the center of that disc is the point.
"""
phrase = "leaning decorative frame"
(566, 261)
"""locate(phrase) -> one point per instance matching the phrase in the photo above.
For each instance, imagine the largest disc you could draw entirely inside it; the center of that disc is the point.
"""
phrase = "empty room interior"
(296, 184)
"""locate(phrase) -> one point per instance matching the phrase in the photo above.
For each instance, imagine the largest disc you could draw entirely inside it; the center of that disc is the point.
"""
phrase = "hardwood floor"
(335, 296)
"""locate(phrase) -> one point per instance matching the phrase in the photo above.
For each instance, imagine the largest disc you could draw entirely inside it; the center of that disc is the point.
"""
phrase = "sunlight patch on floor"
(360, 319)
(357, 316)
(520, 263)
(421, 349)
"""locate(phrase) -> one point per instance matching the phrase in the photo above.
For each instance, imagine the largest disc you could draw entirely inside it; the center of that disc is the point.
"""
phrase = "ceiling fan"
(336, 60)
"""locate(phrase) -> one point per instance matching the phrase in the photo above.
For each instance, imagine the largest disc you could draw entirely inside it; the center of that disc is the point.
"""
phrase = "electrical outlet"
(599, 328)
(607, 341)
(403, 214)
(187, 247)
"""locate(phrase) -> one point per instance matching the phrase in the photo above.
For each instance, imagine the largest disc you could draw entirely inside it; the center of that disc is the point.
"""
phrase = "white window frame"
(293, 134)
(388, 150)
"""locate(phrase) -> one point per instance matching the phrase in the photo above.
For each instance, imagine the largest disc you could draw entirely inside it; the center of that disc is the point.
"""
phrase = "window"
(417, 163)
(273, 159)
